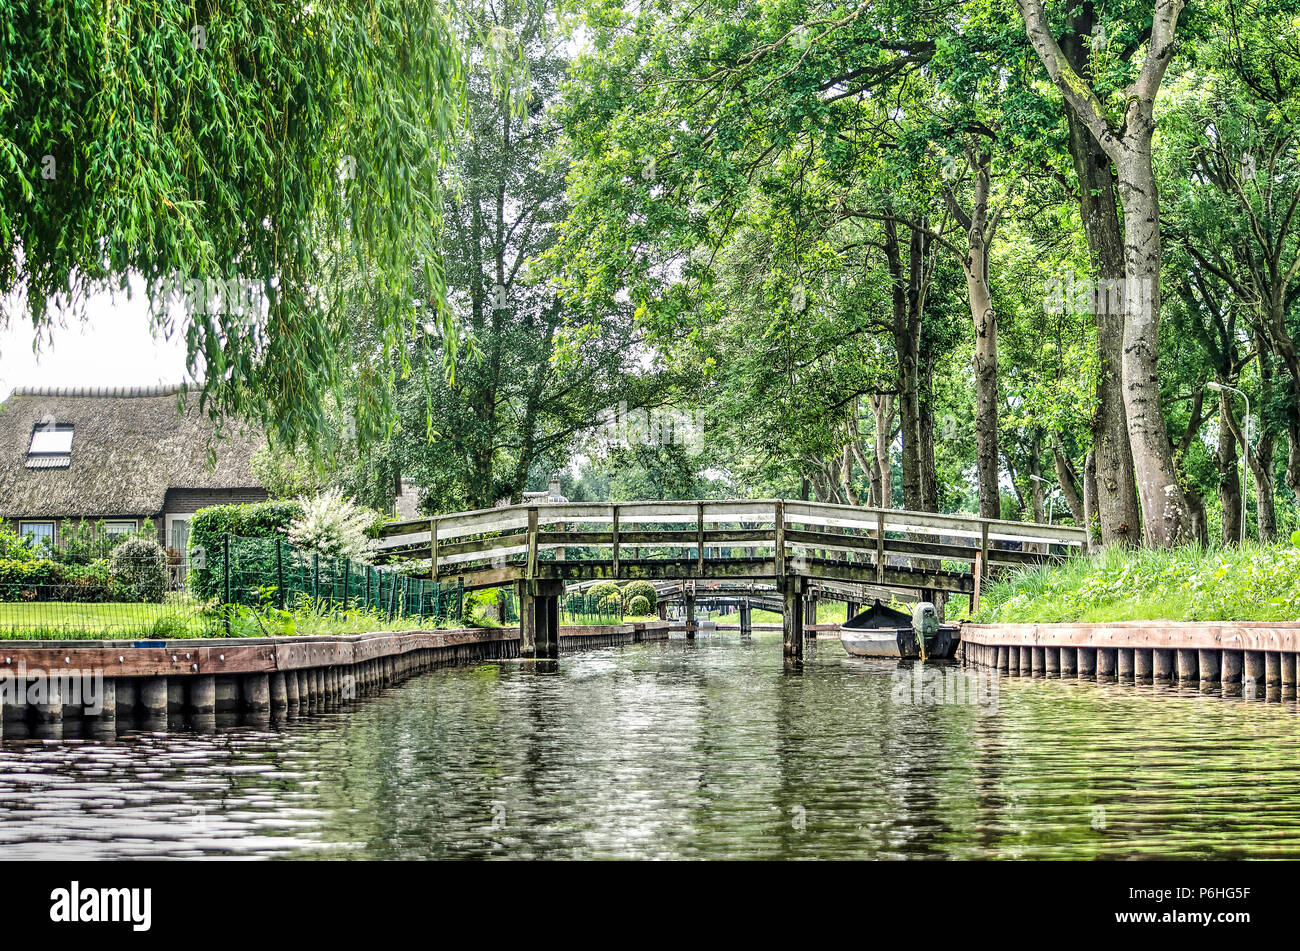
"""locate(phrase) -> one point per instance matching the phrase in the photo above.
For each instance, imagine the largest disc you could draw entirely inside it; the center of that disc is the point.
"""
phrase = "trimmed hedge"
(139, 566)
(48, 580)
(638, 606)
(640, 589)
(208, 530)
(604, 589)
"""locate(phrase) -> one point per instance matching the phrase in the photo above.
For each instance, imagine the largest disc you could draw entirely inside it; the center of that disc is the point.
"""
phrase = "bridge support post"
(539, 617)
(809, 614)
(746, 619)
(850, 609)
(688, 598)
(792, 620)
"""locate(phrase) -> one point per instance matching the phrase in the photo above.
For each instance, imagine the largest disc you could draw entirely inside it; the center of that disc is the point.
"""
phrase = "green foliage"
(334, 526)
(1250, 583)
(15, 547)
(296, 148)
(139, 568)
(210, 526)
(638, 606)
(46, 580)
(640, 589)
(604, 590)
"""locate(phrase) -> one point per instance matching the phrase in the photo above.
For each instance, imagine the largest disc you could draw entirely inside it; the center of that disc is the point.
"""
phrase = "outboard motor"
(925, 624)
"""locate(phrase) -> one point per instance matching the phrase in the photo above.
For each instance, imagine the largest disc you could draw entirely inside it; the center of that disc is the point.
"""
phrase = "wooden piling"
(279, 693)
(1252, 681)
(1288, 676)
(1106, 665)
(1087, 663)
(1037, 662)
(203, 695)
(1069, 662)
(227, 695)
(1143, 666)
(1052, 662)
(1187, 668)
(1231, 666)
(291, 690)
(256, 693)
(1209, 662)
(107, 700)
(1162, 665)
(792, 621)
(1273, 670)
(1124, 669)
(1026, 662)
(47, 707)
(128, 697)
(153, 697)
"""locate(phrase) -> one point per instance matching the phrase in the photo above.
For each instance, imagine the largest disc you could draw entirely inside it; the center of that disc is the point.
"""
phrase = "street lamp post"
(1245, 454)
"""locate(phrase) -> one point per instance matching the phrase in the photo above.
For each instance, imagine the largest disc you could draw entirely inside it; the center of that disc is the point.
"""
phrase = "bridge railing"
(520, 540)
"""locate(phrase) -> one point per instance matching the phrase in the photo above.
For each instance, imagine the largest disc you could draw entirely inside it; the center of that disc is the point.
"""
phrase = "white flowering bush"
(333, 525)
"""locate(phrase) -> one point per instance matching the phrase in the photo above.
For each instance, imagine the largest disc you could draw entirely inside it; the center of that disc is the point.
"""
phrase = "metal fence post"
(315, 578)
(225, 570)
(279, 569)
(347, 580)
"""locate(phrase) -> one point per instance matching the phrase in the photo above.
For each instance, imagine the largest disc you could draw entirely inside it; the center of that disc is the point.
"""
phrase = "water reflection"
(677, 750)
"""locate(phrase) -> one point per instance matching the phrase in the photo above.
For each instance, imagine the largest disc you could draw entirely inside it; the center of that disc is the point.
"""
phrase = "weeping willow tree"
(270, 171)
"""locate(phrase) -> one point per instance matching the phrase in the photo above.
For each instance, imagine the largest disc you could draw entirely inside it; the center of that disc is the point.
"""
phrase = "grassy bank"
(1251, 583)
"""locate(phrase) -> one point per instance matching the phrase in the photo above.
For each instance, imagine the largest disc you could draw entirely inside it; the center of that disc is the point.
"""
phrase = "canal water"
(685, 750)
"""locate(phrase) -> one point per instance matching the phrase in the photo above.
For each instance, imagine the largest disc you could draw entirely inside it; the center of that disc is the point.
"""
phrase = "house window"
(119, 528)
(38, 531)
(51, 446)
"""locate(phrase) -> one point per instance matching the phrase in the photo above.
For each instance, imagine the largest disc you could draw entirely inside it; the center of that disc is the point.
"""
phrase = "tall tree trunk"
(907, 347)
(1117, 512)
(929, 474)
(1090, 496)
(1229, 476)
(974, 263)
(1166, 516)
(1069, 482)
(884, 407)
(1165, 511)
(1036, 480)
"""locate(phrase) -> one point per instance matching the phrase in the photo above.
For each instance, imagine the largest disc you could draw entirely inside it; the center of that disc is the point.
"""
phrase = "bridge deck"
(772, 540)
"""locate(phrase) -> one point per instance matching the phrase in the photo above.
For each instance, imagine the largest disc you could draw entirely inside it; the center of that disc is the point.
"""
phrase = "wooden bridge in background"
(795, 546)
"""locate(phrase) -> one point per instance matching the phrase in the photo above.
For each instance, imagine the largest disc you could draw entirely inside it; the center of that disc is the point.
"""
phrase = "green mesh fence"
(584, 609)
(258, 586)
(270, 573)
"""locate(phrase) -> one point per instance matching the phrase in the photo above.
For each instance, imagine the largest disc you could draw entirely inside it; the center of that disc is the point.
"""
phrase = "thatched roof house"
(121, 455)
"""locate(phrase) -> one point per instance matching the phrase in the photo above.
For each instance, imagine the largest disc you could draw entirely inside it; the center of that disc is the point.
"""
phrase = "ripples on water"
(677, 750)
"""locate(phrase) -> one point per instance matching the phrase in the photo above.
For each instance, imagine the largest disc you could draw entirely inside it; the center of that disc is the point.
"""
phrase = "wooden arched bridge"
(540, 548)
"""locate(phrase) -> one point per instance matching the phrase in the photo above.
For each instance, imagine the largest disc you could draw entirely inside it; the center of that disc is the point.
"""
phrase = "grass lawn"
(1251, 583)
(67, 619)
(181, 617)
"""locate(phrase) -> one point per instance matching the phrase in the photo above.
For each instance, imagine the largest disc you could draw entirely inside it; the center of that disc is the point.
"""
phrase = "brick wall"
(186, 501)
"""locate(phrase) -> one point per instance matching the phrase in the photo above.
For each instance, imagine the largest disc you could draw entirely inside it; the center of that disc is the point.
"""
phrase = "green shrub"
(49, 580)
(598, 592)
(638, 606)
(139, 567)
(208, 530)
(643, 589)
(333, 525)
(15, 547)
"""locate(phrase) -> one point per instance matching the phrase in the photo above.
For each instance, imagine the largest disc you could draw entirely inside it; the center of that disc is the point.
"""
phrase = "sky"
(112, 347)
